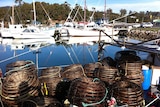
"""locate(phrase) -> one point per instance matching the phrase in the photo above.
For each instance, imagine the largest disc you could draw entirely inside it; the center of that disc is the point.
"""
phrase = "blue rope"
(96, 79)
(85, 104)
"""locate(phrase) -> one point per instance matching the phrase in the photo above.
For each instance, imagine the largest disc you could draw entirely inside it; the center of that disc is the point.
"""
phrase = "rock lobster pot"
(128, 93)
(42, 101)
(73, 71)
(21, 65)
(20, 82)
(48, 85)
(133, 71)
(49, 79)
(91, 69)
(53, 71)
(87, 92)
(107, 74)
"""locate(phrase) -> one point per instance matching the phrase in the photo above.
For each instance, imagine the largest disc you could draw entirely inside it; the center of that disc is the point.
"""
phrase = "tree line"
(23, 13)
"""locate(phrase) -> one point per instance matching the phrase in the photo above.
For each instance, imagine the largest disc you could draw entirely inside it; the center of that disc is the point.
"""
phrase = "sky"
(115, 5)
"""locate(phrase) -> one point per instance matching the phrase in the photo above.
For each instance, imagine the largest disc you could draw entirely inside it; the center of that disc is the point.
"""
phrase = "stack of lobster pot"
(49, 79)
(108, 74)
(20, 82)
(73, 71)
(129, 93)
(86, 92)
(91, 69)
(133, 71)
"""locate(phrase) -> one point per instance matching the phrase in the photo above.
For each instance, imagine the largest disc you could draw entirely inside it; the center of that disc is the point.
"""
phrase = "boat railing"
(110, 36)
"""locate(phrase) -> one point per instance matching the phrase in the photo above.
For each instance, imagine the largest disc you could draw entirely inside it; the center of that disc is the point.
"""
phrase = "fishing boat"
(21, 44)
(31, 33)
(12, 30)
(85, 34)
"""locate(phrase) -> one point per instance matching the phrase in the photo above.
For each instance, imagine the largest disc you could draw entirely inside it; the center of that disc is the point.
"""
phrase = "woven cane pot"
(132, 66)
(21, 65)
(42, 101)
(49, 85)
(87, 92)
(91, 69)
(128, 93)
(53, 71)
(73, 71)
(107, 74)
(19, 84)
(133, 71)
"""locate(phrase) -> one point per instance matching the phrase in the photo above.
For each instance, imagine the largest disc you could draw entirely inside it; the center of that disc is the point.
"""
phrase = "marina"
(47, 54)
(61, 55)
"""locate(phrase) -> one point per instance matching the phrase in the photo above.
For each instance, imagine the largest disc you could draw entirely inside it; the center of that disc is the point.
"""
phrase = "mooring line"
(68, 54)
(22, 54)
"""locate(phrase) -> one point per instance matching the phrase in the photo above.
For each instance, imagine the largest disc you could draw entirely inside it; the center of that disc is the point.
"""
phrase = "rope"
(15, 56)
(19, 68)
(158, 96)
(83, 71)
(74, 54)
(45, 89)
(91, 54)
(68, 54)
(96, 79)
(85, 104)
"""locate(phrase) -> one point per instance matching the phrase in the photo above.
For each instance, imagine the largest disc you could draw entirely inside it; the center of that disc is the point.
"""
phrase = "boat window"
(32, 30)
(26, 30)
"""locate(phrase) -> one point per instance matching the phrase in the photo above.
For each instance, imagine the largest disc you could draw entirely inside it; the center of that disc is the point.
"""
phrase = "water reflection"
(44, 53)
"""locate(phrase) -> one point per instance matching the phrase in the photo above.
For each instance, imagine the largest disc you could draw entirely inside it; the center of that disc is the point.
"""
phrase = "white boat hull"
(85, 32)
(74, 35)
(30, 36)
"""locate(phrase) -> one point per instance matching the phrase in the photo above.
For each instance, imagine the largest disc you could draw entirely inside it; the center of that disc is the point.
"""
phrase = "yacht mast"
(12, 19)
(105, 20)
(45, 11)
(34, 12)
(84, 11)
(105, 9)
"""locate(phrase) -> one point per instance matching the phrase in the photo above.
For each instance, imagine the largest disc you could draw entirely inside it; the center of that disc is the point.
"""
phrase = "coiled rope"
(20, 67)
(92, 104)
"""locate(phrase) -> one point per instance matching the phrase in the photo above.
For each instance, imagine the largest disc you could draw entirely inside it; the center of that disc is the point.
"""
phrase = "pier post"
(100, 47)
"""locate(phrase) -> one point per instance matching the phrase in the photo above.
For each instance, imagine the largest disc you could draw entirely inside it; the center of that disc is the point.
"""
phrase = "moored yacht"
(12, 29)
(90, 33)
(31, 33)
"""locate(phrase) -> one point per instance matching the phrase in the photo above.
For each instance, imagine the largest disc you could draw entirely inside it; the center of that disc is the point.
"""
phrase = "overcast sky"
(115, 5)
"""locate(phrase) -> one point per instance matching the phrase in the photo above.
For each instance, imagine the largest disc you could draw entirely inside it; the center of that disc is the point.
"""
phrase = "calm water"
(54, 55)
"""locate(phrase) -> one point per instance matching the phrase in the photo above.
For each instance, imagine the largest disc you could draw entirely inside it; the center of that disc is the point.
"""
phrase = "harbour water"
(46, 54)
(49, 55)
